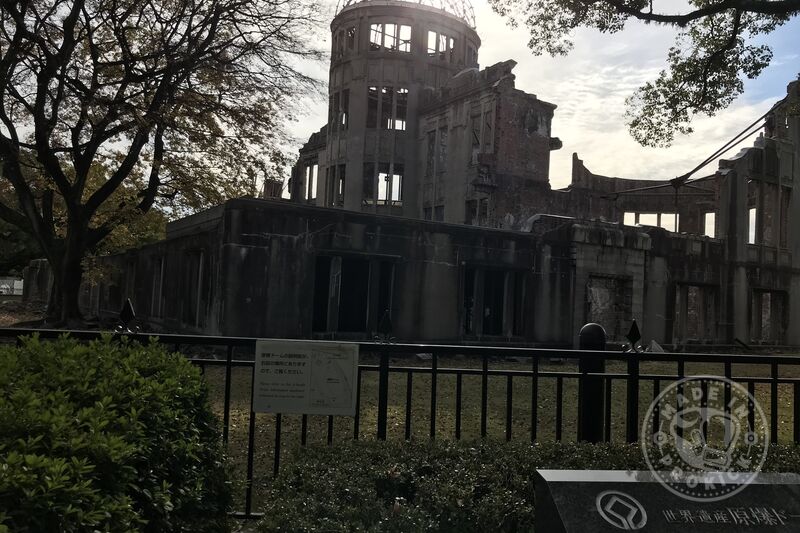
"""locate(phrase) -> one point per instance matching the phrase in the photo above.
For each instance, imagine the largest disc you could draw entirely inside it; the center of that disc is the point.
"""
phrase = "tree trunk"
(63, 308)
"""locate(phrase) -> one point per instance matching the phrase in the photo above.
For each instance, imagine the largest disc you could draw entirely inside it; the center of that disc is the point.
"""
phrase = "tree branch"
(778, 7)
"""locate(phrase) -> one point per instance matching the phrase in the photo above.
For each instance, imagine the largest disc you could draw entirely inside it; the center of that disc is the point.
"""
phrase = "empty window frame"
(488, 131)
(339, 110)
(438, 213)
(338, 44)
(768, 316)
(334, 176)
(375, 36)
(477, 212)
(351, 294)
(430, 154)
(401, 109)
(441, 162)
(695, 313)
(667, 221)
(710, 224)
(629, 219)
(648, 219)
(475, 121)
(311, 181)
(368, 187)
(338, 192)
(194, 288)
(350, 38)
(470, 212)
(472, 56)
(493, 302)
(752, 217)
(372, 107)
(390, 183)
(354, 295)
(393, 107)
(334, 111)
(441, 46)
(483, 210)
(390, 36)
(387, 96)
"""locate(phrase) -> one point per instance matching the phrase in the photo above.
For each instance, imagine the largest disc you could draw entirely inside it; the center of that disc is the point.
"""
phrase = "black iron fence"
(512, 393)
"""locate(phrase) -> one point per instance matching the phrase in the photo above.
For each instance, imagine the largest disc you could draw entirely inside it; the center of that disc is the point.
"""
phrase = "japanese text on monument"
(315, 378)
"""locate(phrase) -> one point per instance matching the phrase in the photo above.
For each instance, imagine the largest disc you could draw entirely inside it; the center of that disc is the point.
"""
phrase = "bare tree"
(110, 106)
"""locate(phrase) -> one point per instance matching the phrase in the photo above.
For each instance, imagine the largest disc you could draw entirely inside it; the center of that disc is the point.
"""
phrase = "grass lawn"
(446, 412)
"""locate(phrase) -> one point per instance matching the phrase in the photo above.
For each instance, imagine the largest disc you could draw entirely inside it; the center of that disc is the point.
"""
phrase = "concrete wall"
(278, 269)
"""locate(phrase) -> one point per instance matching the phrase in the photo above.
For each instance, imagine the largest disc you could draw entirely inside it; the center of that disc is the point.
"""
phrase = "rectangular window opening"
(629, 219)
(322, 290)
(751, 226)
(390, 36)
(648, 219)
(384, 179)
(369, 182)
(669, 221)
(442, 160)
(488, 138)
(339, 189)
(375, 36)
(336, 112)
(709, 224)
(372, 107)
(430, 156)
(396, 195)
(494, 292)
(386, 108)
(404, 43)
(354, 295)
(401, 102)
(345, 109)
(476, 130)
(432, 39)
(312, 183)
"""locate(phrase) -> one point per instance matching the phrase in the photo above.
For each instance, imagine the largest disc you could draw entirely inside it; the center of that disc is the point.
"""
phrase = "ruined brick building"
(426, 194)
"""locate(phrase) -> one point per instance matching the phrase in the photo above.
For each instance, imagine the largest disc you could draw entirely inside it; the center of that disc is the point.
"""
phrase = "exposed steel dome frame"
(461, 9)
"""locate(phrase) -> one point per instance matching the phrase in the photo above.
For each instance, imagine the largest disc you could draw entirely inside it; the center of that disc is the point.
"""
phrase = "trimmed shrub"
(107, 436)
(442, 486)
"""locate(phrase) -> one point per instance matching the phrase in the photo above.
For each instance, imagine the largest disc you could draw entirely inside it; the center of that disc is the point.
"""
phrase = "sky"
(590, 85)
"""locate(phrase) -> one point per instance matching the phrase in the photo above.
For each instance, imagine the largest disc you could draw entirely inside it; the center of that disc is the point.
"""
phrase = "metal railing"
(536, 368)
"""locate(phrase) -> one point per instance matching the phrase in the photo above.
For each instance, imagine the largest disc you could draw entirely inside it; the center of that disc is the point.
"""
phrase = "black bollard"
(591, 390)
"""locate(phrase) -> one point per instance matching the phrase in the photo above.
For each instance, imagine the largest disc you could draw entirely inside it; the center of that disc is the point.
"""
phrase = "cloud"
(590, 85)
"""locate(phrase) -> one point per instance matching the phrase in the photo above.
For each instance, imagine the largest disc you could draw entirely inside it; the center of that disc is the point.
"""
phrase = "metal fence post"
(632, 422)
(591, 389)
(383, 394)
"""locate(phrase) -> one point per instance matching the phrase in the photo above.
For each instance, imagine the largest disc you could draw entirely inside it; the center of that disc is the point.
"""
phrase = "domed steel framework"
(459, 8)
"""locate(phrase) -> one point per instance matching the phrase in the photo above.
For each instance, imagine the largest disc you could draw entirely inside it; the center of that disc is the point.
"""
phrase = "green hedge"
(368, 486)
(107, 436)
